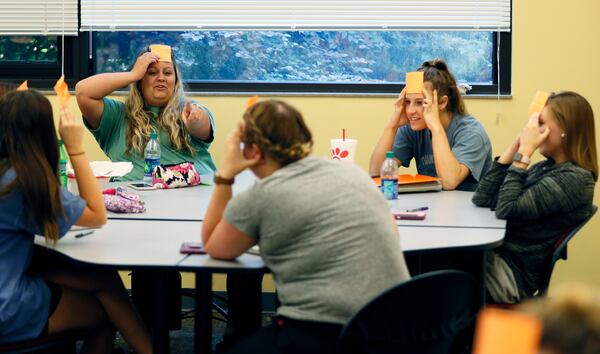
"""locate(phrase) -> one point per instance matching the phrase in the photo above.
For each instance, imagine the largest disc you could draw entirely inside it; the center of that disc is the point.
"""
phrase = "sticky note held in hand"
(23, 86)
(414, 82)
(501, 332)
(163, 52)
(62, 91)
(538, 103)
(251, 102)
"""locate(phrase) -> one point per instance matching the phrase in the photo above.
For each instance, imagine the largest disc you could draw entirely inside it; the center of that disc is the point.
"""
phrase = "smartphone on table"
(141, 186)
(192, 248)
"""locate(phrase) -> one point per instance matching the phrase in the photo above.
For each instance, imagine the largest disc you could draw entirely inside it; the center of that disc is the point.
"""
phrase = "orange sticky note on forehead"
(62, 91)
(414, 82)
(251, 102)
(163, 51)
(23, 86)
(538, 103)
(501, 332)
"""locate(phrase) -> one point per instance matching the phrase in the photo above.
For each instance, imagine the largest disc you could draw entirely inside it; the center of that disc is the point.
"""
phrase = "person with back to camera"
(156, 103)
(39, 293)
(435, 129)
(542, 201)
(329, 251)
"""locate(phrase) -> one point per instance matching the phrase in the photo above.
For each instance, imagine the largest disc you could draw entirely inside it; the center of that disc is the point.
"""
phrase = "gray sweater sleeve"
(560, 190)
(486, 194)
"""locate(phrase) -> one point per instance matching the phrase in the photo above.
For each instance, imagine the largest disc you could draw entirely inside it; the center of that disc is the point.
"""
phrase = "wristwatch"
(518, 157)
(222, 180)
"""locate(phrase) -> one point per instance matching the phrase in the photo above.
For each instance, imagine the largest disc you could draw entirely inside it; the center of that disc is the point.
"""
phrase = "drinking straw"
(343, 134)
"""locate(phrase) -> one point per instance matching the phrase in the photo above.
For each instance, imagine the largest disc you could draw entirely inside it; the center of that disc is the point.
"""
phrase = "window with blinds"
(38, 17)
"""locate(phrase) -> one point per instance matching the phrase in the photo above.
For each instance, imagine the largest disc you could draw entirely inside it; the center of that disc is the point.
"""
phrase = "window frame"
(79, 65)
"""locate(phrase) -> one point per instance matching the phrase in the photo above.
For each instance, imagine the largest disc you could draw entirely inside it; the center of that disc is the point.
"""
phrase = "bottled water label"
(62, 172)
(389, 187)
(149, 166)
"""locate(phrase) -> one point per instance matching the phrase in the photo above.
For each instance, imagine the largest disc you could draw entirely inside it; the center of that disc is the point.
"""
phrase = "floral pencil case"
(119, 201)
(174, 176)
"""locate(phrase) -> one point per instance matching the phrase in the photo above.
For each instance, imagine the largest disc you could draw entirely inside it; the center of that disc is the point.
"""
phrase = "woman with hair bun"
(329, 251)
(435, 129)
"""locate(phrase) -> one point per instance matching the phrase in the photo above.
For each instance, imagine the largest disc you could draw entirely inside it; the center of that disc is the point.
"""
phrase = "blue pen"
(417, 209)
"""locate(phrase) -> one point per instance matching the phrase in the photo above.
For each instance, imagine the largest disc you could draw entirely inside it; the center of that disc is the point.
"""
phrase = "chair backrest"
(560, 251)
(422, 315)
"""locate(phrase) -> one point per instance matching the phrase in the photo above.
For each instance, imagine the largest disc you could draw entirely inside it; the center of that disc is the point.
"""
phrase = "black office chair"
(560, 252)
(431, 313)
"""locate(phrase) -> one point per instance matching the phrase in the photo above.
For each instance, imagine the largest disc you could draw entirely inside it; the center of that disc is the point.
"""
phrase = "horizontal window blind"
(181, 15)
(38, 17)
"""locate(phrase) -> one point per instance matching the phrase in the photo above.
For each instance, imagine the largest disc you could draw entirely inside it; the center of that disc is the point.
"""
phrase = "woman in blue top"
(435, 129)
(42, 295)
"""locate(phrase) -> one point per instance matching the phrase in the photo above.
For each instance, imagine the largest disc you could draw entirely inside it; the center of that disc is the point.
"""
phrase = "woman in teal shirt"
(156, 102)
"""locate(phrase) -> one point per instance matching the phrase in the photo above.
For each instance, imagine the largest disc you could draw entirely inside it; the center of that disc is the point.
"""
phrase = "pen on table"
(417, 209)
(81, 234)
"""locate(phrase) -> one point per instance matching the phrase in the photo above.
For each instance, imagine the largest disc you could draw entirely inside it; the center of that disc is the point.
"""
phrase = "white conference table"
(151, 241)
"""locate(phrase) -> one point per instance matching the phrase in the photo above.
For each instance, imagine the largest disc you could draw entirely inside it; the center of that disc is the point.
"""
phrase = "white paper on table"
(108, 168)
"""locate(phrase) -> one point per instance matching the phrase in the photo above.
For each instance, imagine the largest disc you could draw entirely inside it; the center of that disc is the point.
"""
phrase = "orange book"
(410, 179)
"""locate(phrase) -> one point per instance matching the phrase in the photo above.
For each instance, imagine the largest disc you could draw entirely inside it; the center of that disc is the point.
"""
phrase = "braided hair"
(279, 130)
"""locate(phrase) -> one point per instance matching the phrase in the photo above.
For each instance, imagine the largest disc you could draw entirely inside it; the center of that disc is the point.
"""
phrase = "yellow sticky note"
(23, 86)
(501, 332)
(538, 103)
(414, 82)
(62, 91)
(251, 102)
(163, 51)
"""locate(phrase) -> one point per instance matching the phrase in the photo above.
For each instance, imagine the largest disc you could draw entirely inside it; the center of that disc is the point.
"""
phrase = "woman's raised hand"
(399, 117)
(71, 131)
(431, 111)
(532, 136)
(141, 65)
(194, 118)
(234, 159)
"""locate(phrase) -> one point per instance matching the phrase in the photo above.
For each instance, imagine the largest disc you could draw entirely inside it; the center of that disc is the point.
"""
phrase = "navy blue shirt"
(467, 139)
(24, 299)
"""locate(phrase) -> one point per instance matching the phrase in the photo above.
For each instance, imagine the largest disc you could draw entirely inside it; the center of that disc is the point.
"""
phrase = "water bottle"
(151, 157)
(389, 176)
(62, 164)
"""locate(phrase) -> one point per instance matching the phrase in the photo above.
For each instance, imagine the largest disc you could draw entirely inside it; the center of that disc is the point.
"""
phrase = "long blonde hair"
(575, 116)
(169, 118)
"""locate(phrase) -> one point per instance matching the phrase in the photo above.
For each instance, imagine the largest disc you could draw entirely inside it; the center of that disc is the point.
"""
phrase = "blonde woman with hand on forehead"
(156, 102)
(330, 251)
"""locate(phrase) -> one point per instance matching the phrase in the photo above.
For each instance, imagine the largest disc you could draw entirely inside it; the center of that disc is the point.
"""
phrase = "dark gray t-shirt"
(467, 139)
(325, 231)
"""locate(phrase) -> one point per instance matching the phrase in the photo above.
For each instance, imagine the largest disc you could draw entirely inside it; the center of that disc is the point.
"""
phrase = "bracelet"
(222, 180)
(77, 154)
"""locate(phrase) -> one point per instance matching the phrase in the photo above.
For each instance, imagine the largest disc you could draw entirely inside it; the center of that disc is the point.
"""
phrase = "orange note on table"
(62, 91)
(538, 103)
(23, 86)
(502, 332)
(414, 82)
(251, 102)
(163, 51)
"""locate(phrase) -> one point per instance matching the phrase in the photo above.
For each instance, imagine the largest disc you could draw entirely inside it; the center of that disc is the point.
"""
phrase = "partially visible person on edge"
(40, 293)
(329, 251)
(156, 102)
(435, 129)
(542, 201)
(571, 321)
(6, 87)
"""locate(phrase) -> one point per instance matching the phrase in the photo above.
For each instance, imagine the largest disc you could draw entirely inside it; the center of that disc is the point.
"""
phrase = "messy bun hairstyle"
(436, 72)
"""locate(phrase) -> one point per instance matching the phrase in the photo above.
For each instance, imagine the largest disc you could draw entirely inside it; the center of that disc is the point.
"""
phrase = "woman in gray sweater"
(542, 201)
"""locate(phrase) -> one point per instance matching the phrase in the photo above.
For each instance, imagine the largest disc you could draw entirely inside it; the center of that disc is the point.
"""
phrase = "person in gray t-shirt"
(434, 128)
(323, 227)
